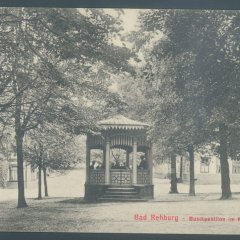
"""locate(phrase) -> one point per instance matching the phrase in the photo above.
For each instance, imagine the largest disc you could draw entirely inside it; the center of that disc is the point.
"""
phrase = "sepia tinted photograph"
(116, 120)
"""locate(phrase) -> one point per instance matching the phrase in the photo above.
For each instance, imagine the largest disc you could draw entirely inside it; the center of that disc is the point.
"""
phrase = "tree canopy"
(190, 79)
(55, 65)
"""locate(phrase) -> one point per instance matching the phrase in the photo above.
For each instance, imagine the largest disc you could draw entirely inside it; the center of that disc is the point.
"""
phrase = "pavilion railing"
(121, 177)
(96, 176)
(143, 176)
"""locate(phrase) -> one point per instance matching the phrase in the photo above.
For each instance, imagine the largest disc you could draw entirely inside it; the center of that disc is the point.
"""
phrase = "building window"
(187, 165)
(13, 173)
(218, 168)
(204, 166)
(235, 167)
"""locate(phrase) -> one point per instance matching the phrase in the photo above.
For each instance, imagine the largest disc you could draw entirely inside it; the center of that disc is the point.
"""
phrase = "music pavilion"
(122, 178)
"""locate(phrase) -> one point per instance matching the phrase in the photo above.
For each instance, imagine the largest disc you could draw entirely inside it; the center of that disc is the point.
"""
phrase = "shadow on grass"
(63, 200)
(217, 197)
(79, 200)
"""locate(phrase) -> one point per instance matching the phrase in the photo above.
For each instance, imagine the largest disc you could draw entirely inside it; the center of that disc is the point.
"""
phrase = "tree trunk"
(173, 188)
(19, 134)
(225, 179)
(181, 170)
(191, 170)
(45, 181)
(40, 181)
(20, 175)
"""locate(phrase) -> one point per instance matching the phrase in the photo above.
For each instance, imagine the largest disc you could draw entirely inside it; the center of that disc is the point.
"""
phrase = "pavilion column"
(127, 158)
(150, 163)
(107, 162)
(104, 158)
(88, 155)
(134, 161)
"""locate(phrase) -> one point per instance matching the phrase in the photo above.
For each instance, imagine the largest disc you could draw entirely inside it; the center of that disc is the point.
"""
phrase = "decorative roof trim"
(121, 122)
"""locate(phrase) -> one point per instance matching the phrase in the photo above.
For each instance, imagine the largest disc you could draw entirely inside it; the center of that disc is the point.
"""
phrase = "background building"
(207, 169)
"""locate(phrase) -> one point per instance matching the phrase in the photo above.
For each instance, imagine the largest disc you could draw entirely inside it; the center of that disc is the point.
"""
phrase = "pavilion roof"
(121, 122)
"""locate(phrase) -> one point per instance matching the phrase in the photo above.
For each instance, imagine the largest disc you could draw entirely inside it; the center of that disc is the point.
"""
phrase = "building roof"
(121, 122)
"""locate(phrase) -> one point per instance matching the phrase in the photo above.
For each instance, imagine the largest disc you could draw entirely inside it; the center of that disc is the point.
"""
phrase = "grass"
(72, 214)
(76, 215)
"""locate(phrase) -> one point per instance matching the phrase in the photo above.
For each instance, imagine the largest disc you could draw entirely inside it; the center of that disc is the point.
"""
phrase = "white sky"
(130, 19)
(129, 24)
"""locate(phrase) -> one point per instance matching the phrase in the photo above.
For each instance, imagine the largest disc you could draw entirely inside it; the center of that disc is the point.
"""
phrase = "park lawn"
(48, 214)
(74, 215)
(59, 213)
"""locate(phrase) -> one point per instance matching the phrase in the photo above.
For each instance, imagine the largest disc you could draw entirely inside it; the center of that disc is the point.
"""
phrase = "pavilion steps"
(120, 194)
(103, 199)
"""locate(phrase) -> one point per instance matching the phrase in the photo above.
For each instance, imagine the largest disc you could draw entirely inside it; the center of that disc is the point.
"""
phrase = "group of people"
(96, 165)
(143, 164)
(119, 165)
